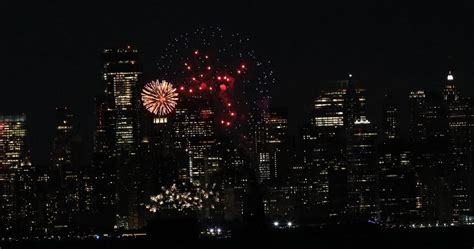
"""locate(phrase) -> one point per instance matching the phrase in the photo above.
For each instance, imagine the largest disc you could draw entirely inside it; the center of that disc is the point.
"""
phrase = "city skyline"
(261, 123)
(149, 168)
(304, 52)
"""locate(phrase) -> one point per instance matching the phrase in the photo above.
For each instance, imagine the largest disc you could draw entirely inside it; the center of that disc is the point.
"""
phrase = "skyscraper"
(16, 215)
(327, 143)
(104, 170)
(67, 189)
(428, 138)
(272, 147)
(117, 133)
(121, 74)
(390, 120)
(195, 140)
(460, 134)
(417, 106)
(397, 181)
(323, 147)
(362, 169)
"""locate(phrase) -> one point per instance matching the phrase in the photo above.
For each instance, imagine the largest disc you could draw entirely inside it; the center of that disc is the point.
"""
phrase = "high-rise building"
(323, 149)
(195, 141)
(417, 106)
(104, 170)
(397, 181)
(16, 213)
(121, 73)
(390, 120)
(117, 137)
(460, 135)
(325, 146)
(272, 147)
(430, 155)
(67, 188)
(362, 169)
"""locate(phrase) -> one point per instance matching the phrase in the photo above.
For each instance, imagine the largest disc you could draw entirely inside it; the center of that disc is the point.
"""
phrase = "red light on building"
(223, 87)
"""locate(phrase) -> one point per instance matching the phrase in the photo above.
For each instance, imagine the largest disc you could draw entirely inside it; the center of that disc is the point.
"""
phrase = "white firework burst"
(159, 98)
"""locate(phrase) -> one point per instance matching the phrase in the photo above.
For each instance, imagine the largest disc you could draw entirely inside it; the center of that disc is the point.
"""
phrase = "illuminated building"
(397, 183)
(121, 75)
(428, 137)
(390, 120)
(272, 147)
(16, 213)
(450, 93)
(104, 168)
(278, 202)
(325, 144)
(116, 137)
(47, 199)
(194, 139)
(323, 149)
(417, 103)
(236, 180)
(197, 149)
(362, 170)
(459, 119)
(68, 185)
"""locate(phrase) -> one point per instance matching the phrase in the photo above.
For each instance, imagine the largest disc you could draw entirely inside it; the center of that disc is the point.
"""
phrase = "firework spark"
(159, 98)
(209, 64)
(183, 197)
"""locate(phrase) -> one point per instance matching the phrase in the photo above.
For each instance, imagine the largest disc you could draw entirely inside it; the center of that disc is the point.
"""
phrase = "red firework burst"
(206, 77)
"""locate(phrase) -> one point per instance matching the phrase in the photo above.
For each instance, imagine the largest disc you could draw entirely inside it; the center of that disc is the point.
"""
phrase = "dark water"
(337, 237)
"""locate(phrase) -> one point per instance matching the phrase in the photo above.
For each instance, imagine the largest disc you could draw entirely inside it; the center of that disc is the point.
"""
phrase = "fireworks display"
(220, 68)
(159, 98)
(183, 197)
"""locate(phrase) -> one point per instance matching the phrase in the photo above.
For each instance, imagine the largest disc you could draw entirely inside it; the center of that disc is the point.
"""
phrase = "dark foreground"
(333, 237)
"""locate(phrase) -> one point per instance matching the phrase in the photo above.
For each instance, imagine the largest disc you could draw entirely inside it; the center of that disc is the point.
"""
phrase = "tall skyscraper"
(417, 106)
(272, 147)
(195, 141)
(362, 169)
(16, 215)
(104, 170)
(117, 135)
(323, 150)
(122, 72)
(428, 136)
(66, 173)
(326, 144)
(397, 181)
(390, 120)
(460, 135)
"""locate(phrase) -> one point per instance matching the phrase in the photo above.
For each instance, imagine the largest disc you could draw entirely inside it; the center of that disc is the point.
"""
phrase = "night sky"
(53, 49)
